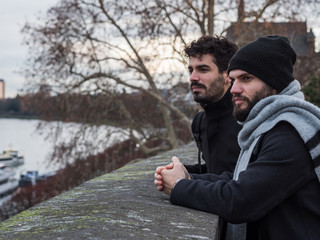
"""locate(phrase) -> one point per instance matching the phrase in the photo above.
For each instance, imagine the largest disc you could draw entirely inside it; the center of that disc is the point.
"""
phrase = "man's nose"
(194, 76)
(236, 88)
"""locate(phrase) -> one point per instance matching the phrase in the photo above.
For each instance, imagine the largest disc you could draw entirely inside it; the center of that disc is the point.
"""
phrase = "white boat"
(8, 184)
(11, 158)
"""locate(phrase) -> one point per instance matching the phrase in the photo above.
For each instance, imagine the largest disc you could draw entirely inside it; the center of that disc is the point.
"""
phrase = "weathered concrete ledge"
(123, 204)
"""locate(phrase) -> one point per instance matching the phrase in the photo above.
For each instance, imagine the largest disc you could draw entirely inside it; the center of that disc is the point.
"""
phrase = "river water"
(21, 135)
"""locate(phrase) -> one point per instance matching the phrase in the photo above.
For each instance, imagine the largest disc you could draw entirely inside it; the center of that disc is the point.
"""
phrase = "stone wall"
(123, 204)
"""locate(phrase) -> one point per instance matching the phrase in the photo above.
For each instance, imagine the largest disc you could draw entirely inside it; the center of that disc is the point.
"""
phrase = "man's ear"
(226, 78)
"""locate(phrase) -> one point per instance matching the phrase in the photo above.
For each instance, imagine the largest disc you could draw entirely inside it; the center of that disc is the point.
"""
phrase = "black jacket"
(278, 195)
(218, 134)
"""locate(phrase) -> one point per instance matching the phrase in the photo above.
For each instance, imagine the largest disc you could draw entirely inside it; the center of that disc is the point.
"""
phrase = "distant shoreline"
(19, 117)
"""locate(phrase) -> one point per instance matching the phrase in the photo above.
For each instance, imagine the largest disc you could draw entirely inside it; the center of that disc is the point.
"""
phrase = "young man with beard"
(209, 57)
(274, 192)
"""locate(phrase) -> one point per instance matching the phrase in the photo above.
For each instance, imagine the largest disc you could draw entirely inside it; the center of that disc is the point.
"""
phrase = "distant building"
(302, 41)
(2, 89)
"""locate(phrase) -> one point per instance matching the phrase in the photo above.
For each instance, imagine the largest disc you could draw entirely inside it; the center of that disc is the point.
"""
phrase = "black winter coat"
(278, 195)
(218, 134)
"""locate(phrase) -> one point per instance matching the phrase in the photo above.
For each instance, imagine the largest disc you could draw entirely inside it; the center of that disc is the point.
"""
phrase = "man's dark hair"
(219, 47)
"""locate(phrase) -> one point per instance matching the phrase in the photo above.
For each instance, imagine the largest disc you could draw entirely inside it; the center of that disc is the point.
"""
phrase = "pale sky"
(13, 15)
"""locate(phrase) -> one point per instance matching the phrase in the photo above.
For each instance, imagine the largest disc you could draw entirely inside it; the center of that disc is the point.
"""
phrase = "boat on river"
(33, 177)
(11, 158)
(8, 184)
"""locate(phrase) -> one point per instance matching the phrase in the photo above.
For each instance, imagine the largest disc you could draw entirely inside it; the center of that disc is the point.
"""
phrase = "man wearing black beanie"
(274, 192)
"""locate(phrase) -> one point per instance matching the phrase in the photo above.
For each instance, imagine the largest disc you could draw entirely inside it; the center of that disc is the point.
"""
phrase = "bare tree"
(101, 48)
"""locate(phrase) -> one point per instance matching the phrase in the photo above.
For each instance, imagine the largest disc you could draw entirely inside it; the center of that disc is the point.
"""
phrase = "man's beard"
(242, 114)
(212, 94)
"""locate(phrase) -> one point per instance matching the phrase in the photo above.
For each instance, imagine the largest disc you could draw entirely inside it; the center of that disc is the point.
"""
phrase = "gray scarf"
(288, 106)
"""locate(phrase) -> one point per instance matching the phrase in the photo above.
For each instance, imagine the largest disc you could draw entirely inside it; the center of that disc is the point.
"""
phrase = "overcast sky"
(13, 15)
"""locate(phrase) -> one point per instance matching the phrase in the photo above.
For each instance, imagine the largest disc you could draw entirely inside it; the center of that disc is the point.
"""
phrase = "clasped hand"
(166, 176)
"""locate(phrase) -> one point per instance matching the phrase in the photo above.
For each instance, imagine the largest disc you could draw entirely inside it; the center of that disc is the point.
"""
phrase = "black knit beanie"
(270, 58)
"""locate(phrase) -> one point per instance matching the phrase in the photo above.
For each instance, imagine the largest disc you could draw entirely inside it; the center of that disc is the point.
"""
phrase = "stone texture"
(123, 204)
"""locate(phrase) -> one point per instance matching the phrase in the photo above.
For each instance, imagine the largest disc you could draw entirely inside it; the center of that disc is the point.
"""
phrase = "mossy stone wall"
(123, 204)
